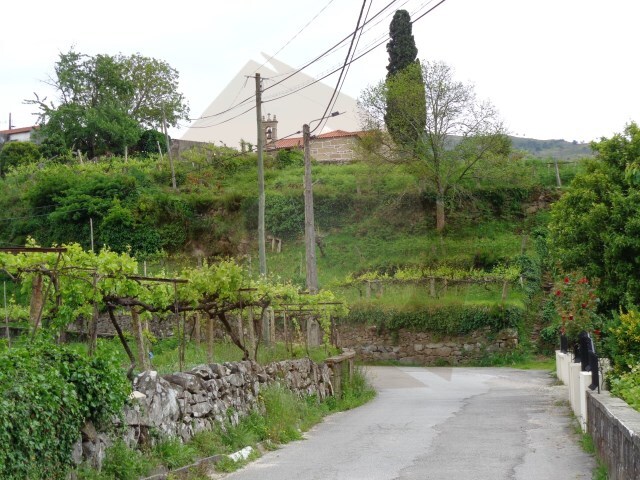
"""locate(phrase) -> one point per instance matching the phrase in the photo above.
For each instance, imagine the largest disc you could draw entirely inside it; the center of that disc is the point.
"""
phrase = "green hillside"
(560, 149)
(369, 217)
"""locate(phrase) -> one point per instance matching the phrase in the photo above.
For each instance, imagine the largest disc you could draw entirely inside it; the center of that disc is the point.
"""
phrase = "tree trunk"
(37, 299)
(440, 221)
(196, 328)
(123, 340)
(93, 331)
(250, 341)
(210, 321)
(136, 325)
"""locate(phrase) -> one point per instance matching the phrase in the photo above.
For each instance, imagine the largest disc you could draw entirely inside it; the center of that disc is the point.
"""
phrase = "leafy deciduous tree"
(461, 133)
(104, 102)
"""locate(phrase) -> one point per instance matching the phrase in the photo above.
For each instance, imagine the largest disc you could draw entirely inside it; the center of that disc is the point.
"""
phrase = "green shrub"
(289, 158)
(627, 387)
(47, 392)
(17, 153)
(446, 319)
(622, 341)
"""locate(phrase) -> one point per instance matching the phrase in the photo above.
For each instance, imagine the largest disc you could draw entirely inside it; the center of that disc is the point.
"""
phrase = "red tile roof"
(296, 142)
(17, 130)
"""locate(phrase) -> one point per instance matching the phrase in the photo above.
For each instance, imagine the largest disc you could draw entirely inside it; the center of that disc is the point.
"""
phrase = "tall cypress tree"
(401, 48)
(406, 112)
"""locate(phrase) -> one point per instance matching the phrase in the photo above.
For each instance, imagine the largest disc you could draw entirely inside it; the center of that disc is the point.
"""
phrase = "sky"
(554, 69)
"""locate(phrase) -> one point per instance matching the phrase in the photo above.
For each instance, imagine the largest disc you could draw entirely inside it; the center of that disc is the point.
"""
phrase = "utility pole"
(91, 232)
(166, 137)
(261, 196)
(309, 222)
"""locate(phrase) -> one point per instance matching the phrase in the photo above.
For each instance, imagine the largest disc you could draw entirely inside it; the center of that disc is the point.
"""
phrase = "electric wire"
(295, 36)
(298, 70)
(344, 67)
(345, 70)
(354, 59)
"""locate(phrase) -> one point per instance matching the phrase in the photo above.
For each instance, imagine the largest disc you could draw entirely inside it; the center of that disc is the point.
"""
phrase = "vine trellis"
(66, 283)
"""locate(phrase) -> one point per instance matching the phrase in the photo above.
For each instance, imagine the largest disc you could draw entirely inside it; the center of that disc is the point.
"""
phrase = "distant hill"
(560, 149)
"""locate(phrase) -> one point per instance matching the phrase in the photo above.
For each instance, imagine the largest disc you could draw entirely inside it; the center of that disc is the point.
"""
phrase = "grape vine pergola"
(67, 283)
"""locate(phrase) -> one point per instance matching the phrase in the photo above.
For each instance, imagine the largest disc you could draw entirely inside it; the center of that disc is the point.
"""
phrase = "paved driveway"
(440, 423)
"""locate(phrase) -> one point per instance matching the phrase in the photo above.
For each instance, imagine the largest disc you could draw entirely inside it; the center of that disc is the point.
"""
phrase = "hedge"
(449, 320)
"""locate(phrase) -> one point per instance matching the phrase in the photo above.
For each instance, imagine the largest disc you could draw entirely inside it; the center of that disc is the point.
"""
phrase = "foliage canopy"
(461, 134)
(595, 226)
(405, 114)
(16, 153)
(105, 102)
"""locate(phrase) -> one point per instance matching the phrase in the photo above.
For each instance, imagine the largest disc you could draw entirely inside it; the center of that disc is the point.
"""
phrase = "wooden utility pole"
(558, 180)
(309, 223)
(261, 196)
(166, 137)
(91, 232)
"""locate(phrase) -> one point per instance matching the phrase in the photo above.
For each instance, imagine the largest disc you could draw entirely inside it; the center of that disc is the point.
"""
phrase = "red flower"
(566, 279)
(558, 293)
(583, 280)
(597, 332)
(584, 305)
(570, 317)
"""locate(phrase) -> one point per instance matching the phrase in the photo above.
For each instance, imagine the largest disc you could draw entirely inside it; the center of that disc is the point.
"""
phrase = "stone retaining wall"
(182, 404)
(615, 429)
(424, 348)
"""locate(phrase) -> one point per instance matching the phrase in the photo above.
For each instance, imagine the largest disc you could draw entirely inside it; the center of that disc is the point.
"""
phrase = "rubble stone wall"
(423, 348)
(182, 404)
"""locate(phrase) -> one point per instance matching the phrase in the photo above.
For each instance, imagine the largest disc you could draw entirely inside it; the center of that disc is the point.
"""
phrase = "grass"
(166, 359)
(586, 442)
(412, 297)
(358, 249)
(520, 358)
(282, 418)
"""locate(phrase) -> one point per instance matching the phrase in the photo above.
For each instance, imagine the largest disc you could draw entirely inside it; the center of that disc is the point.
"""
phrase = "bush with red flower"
(576, 302)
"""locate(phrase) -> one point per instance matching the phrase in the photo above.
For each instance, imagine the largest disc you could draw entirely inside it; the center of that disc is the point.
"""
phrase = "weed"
(174, 454)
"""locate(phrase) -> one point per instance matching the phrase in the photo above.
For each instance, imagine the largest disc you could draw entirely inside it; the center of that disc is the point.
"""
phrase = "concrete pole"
(261, 196)
(309, 226)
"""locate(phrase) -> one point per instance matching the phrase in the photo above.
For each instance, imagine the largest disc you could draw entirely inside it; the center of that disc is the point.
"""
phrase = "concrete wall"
(424, 348)
(615, 429)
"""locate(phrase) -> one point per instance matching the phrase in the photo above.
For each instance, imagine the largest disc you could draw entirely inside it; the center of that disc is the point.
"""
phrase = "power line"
(326, 52)
(298, 70)
(344, 72)
(338, 86)
(294, 37)
(354, 59)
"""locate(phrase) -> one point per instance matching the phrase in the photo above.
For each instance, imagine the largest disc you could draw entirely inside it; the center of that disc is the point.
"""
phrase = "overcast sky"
(553, 68)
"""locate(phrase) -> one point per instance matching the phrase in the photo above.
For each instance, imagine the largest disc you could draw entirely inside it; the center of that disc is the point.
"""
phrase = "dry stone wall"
(423, 348)
(182, 404)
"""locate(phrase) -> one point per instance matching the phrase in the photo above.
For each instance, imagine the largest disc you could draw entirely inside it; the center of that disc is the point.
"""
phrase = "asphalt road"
(440, 423)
